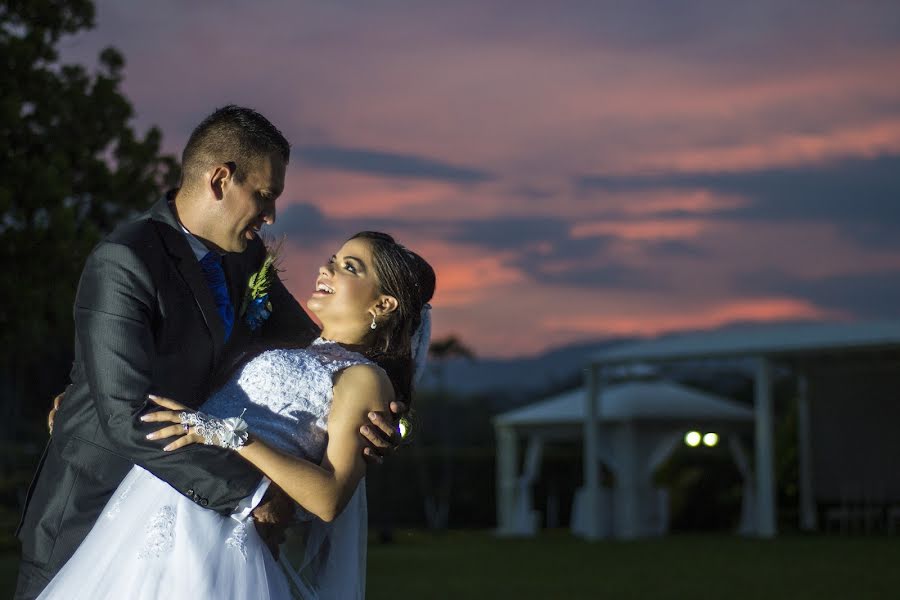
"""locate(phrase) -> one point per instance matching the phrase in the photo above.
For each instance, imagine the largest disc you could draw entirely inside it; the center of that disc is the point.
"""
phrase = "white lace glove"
(228, 433)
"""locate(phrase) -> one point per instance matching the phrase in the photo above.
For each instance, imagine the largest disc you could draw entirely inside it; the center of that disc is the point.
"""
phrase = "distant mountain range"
(525, 376)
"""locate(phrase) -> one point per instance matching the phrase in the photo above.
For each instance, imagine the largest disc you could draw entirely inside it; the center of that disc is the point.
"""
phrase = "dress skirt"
(151, 542)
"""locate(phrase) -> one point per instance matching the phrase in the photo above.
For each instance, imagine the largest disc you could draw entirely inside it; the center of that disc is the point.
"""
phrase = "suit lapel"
(189, 268)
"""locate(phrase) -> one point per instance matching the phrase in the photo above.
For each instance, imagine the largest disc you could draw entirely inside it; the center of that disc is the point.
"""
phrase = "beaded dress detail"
(287, 394)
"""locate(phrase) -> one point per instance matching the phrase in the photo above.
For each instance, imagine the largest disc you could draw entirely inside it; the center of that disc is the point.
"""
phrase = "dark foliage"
(72, 167)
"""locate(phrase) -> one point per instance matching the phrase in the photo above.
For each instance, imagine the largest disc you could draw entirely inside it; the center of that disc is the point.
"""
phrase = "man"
(158, 310)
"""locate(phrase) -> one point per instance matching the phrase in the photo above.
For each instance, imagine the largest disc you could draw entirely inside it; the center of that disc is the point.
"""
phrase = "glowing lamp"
(711, 439)
(692, 438)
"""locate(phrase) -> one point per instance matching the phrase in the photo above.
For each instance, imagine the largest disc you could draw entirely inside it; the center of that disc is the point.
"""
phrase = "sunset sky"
(573, 170)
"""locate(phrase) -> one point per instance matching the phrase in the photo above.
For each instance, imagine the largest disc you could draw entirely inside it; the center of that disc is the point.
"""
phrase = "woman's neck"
(352, 340)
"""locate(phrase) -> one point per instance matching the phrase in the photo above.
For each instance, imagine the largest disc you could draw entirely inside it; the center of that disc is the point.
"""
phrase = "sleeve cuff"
(245, 507)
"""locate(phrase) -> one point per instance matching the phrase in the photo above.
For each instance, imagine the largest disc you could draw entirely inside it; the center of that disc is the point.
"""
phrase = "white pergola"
(642, 422)
(765, 345)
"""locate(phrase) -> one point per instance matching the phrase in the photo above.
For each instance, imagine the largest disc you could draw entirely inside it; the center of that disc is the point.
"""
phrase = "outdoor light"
(692, 438)
(711, 439)
(404, 427)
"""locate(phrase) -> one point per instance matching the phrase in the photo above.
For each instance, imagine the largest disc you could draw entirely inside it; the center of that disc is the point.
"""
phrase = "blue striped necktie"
(211, 264)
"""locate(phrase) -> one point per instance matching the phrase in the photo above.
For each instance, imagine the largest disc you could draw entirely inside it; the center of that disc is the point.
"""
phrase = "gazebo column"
(629, 505)
(591, 477)
(804, 458)
(747, 521)
(507, 464)
(525, 519)
(765, 473)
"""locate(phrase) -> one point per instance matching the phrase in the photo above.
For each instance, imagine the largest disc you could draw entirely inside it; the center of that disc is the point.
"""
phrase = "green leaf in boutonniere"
(256, 307)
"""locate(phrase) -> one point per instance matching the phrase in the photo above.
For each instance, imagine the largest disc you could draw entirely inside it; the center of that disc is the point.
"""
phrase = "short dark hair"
(232, 134)
(409, 278)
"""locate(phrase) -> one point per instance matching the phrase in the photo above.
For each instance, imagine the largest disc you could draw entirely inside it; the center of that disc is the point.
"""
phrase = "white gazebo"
(639, 424)
(842, 359)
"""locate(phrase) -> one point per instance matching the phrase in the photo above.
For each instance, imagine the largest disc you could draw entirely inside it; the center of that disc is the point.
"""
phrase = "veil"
(333, 564)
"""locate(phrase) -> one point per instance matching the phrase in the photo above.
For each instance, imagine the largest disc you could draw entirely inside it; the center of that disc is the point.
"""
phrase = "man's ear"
(386, 305)
(221, 177)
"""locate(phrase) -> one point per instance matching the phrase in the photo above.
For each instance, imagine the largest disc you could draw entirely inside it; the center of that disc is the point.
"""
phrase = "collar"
(197, 247)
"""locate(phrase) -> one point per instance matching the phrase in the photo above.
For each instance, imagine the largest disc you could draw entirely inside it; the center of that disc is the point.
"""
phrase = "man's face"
(248, 204)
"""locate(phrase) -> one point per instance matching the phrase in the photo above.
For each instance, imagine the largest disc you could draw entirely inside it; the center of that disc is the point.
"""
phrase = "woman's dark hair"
(406, 276)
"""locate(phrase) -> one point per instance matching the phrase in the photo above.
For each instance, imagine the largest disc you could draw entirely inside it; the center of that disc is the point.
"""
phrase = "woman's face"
(347, 288)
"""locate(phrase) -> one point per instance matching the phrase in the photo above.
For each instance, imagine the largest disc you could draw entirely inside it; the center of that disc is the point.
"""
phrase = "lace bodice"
(287, 394)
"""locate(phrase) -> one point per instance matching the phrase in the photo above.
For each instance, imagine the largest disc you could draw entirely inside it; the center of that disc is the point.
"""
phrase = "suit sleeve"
(114, 312)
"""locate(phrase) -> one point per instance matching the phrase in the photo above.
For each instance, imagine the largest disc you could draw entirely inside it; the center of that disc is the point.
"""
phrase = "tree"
(449, 347)
(72, 167)
(437, 499)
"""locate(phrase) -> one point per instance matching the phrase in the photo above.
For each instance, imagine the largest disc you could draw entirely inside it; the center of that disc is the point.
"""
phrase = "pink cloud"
(651, 229)
(704, 317)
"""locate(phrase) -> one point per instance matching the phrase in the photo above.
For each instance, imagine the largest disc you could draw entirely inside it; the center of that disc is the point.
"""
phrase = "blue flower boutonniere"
(256, 307)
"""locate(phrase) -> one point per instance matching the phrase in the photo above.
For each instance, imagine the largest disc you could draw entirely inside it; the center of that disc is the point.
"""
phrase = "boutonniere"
(256, 307)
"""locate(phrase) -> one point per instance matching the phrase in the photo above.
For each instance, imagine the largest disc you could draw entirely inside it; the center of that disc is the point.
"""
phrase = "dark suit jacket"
(145, 322)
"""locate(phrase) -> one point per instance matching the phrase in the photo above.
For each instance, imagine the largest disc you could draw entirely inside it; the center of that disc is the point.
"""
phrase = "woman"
(294, 414)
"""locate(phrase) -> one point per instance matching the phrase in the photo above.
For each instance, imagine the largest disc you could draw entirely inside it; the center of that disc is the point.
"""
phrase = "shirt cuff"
(246, 506)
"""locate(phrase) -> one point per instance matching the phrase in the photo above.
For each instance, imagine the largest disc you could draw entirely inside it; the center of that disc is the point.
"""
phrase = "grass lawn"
(476, 565)
(556, 565)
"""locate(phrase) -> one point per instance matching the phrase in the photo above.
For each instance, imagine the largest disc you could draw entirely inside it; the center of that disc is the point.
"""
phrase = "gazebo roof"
(760, 340)
(631, 400)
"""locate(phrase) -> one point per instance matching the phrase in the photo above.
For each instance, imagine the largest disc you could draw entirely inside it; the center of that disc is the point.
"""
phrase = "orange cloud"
(466, 276)
(658, 229)
(757, 310)
(693, 202)
(352, 195)
(780, 150)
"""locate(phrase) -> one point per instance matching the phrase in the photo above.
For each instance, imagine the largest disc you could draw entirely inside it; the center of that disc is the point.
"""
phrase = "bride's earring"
(373, 325)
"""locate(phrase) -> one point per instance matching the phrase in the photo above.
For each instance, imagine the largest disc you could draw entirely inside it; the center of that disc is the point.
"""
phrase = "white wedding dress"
(151, 542)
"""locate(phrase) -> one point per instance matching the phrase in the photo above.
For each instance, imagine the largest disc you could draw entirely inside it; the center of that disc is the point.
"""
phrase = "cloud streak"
(851, 189)
(387, 164)
(858, 195)
(870, 295)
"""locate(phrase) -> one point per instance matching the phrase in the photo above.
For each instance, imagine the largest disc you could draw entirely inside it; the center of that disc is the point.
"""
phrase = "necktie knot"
(211, 258)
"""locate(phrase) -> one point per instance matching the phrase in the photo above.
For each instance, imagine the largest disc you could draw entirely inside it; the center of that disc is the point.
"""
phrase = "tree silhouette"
(449, 347)
(437, 497)
(71, 168)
